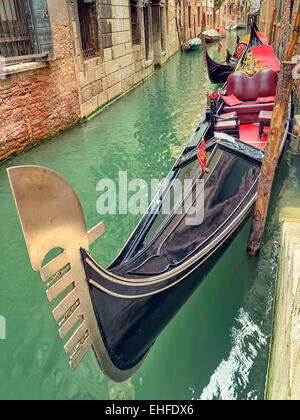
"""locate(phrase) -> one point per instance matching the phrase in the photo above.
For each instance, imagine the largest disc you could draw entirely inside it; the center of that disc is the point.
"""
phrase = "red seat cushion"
(231, 100)
(265, 100)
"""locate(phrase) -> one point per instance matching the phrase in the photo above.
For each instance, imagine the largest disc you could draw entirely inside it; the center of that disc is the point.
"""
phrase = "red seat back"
(249, 88)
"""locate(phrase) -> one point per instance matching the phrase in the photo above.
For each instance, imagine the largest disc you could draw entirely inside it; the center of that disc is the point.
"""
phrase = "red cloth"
(221, 31)
(266, 57)
(265, 100)
(231, 100)
(202, 157)
(240, 49)
(263, 37)
(214, 96)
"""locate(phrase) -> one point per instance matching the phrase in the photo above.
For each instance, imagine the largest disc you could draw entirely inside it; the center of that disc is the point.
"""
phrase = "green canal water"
(217, 345)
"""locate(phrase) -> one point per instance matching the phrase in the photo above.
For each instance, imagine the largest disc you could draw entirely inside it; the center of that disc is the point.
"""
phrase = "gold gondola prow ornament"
(250, 67)
(51, 217)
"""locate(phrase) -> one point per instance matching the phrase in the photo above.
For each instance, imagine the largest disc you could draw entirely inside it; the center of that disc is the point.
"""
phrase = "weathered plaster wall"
(39, 103)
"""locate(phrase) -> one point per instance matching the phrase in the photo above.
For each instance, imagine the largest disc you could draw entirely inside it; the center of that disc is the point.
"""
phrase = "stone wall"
(120, 64)
(197, 16)
(284, 372)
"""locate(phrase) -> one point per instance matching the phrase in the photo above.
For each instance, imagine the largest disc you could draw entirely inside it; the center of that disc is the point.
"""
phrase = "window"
(199, 17)
(189, 17)
(162, 28)
(167, 16)
(14, 31)
(135, 27)
(147, 31)
(291, 10)
(88, 21)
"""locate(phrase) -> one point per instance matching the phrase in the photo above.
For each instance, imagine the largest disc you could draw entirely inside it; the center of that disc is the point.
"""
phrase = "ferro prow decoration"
(51, 217)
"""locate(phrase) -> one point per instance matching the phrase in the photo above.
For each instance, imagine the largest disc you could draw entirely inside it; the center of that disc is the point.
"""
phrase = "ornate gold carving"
(250, 67)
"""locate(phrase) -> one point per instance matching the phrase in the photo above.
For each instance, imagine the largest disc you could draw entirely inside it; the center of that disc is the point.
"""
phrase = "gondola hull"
(129, 337)
(219, 72)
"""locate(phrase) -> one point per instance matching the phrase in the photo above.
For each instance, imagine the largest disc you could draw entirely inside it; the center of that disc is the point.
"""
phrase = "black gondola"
(219, 72)
(121, 310)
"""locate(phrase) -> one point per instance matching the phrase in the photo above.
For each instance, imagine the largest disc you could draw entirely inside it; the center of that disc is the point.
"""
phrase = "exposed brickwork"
(38, 104)
(34, 106)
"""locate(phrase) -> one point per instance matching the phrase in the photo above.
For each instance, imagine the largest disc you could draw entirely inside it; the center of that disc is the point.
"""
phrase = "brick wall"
(41, 102)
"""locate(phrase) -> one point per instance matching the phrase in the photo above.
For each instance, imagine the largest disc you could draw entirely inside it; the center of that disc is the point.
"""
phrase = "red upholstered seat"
(248, 89)
(225, 125)
(228, 123)
(266, 56)
(249, 111)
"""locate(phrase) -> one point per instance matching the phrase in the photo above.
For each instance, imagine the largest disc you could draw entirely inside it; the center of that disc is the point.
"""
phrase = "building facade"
(62, 60)
(277, 20)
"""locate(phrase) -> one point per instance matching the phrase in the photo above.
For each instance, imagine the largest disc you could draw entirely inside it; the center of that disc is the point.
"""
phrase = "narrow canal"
(217, 345)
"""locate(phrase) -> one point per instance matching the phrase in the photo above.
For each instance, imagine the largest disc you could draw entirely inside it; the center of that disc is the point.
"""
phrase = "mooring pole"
(271, 29)
(272, 152)
(271, 157)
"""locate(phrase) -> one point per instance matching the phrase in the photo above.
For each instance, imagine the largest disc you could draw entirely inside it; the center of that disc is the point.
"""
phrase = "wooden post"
(271, 158)
(272, 151)
(271, 28)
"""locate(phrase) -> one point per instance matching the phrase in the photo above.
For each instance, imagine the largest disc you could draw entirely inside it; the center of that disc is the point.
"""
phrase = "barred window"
(135, 26)
(88, 21)
(146, 11)
(14, 32)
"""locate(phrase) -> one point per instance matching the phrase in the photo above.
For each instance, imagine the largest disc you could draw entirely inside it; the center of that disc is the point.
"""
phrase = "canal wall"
(284, 371)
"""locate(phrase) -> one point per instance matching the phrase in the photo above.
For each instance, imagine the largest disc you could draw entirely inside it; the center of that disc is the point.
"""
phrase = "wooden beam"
(271, 28)
(271, 158)
(294, 39)
(272, 151)
(23, 58)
